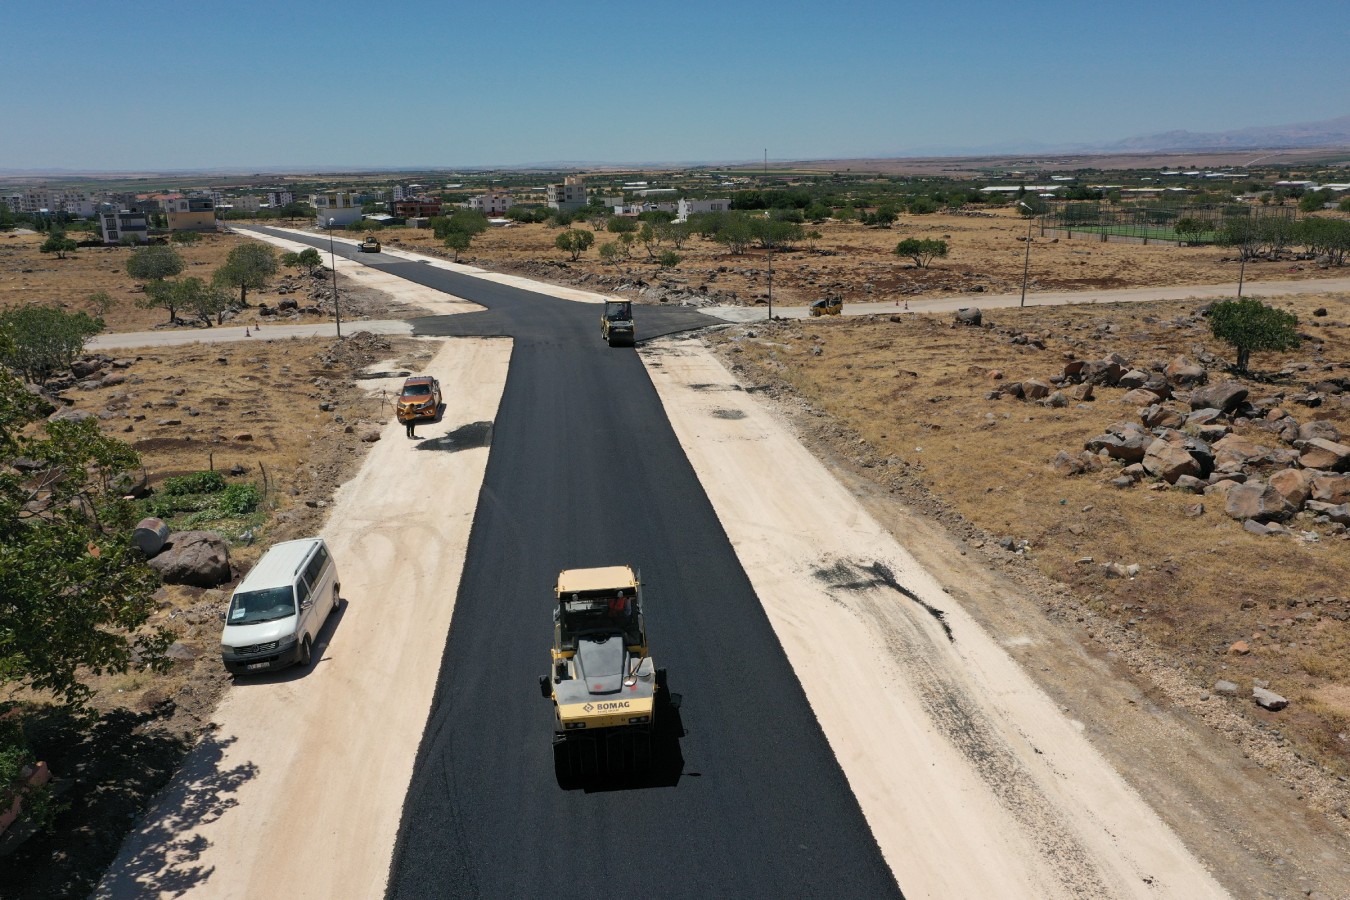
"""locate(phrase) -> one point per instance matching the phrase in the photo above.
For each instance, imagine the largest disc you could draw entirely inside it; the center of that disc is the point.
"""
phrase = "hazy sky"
(91, 84)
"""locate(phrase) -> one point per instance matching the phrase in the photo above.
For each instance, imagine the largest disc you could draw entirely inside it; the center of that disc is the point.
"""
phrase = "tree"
(1029, 205)
(310, 259)
(621, 225)
(1249, 325)
(101, 301)
(39, 341)
(574, 241)
(204, 301)
(1242, 233)
(1189, 229)
(1326, 237)
(669, 259)
(467, 221)
(675, 232)
(458, 241)
(249, 265)
(922, 250)
(812, 237)
(1344, 205)
(154, 263)
(185, 237)
(610, 252)
(646, 236)
(59, 244)
(75, 593)
(291, 261)
(1314, 200)
(736, 232)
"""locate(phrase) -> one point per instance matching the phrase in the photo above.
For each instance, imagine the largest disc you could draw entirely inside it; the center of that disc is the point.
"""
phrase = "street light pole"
(1242, 269)
(771, 281)
(1026, 264)
(332, 261)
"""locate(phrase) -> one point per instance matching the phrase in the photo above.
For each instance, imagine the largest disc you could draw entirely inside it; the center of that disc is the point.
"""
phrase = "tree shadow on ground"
(161, 854)
(111, 766)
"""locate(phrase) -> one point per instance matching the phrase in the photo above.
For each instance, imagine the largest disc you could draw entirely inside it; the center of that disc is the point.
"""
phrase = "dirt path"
(1052, 298)
(952, 751)
(298, 790)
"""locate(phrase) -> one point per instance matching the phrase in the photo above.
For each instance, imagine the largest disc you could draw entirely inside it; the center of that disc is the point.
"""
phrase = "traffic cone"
(246, 334)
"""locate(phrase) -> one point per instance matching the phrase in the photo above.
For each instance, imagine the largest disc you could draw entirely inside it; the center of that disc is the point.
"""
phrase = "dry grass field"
(906, 397)
(987, 253)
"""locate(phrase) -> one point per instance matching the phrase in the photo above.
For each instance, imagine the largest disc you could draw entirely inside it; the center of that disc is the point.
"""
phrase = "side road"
(298, 789)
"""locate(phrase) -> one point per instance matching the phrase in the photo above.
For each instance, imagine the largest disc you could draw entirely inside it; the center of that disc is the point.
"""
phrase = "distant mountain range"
(1328, 133)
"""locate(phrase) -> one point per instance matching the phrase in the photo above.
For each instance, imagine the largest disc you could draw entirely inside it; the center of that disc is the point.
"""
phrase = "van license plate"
(257, 665)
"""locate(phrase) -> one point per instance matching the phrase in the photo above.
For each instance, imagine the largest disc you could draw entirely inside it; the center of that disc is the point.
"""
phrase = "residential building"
(612, 202)
(417, 207)
(249, 203)
(569, 195)
(400, 193)
(687, 208)
(35, 200)
(277, 199)
(493, 203)
(124, 226)
(191, 214)
(339, 206)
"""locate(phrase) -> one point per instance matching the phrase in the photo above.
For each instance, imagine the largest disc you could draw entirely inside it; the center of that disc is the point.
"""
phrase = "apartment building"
(686, 208)
(339, 206)
(124, 226)
(493, 203)
(569, 195)
(191, 214)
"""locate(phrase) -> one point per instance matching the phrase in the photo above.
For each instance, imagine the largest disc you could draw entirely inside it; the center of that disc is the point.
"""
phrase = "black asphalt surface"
(585, 470)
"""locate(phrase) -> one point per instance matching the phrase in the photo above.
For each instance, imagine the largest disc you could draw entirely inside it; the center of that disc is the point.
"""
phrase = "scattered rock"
(199, 558)
(1227, 688)
(1256, 501)
(1268, 699)
(1239, 648)
(1226, 396)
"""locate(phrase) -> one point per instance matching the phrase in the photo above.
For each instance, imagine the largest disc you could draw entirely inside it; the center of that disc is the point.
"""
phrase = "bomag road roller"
(616, 324)
(604, 685)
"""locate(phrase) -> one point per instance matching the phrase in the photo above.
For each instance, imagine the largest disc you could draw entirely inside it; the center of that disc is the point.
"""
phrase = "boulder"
(70, 414)
(1057, 400)
(969, 315)
(1331, 488)
(1295, 485)
(1200, 417)
(1320, 453)
(1256, 501)
(1083, 393)
(1227, 688)
(1337, 513)
(199, 558)
(1169, 461)
(1186, 373)
(1102, 372)
(1191, 483)
(1226, 396)
(83, 368)
(1066, 465)
(1219, 491)
(1268, 699)
(1318, 428)
(1160, 416)
(1133, 379)
(1140, 397)
(1130, 448)
(1035, 390)
(1232, 453)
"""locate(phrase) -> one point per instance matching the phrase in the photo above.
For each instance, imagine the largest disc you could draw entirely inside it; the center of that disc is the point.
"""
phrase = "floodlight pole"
(1242, 269)
(1026, 264)
(332, 261)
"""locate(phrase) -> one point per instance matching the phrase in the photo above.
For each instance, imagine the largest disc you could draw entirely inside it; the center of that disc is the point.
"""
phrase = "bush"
(1249, 325)
(39, 341)
(669, 259)
(196, 483)
(922, 206)
(239, 499)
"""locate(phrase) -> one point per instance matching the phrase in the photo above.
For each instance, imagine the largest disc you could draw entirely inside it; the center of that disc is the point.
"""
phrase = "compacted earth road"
(845, 729)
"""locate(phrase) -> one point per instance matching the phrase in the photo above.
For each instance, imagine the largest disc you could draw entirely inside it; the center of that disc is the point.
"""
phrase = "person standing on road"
(411, 422)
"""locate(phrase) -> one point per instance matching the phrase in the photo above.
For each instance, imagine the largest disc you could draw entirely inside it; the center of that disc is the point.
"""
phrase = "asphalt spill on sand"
(850, 576)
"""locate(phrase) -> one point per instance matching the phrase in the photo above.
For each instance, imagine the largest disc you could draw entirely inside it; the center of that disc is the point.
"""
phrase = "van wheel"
(337, 599)
(306, 651)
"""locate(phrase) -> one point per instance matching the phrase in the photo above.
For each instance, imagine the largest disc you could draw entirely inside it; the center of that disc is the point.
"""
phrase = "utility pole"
(332, 260)
(770, 282)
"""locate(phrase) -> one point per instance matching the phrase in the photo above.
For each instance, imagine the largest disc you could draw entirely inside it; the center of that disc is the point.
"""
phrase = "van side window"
(316, 564)
(301, 591)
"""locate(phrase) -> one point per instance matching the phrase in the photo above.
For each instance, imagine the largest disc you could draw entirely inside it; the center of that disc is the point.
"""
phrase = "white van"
(279, 607)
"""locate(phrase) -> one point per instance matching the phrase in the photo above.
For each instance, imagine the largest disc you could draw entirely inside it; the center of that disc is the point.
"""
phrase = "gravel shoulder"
(952, 751)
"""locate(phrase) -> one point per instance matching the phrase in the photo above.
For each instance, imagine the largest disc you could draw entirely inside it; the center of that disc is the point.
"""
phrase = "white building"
(340, 206)
(571, 194)
(123, 226)
(687, 208)
(277, 199)
(34, 200)
(493, 203)
(249, 203)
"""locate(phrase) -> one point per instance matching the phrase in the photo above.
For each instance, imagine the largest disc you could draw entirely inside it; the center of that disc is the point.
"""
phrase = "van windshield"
(249, 607)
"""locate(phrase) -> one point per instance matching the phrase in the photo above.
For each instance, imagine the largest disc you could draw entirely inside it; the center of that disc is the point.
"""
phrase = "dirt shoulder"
(899, 407)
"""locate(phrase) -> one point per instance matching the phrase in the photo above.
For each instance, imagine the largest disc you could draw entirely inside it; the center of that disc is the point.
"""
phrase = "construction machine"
(604, 685)
(370, 245)
(616, 323)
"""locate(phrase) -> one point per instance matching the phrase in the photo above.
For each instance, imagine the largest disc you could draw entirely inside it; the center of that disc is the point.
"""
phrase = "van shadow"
(294, 673)
(162, 855)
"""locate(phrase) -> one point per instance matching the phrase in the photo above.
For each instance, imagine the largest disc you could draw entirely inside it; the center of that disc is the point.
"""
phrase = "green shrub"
(196, 483)
(239, 499)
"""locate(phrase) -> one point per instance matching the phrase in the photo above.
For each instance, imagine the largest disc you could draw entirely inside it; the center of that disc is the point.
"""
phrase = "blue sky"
(154, 85)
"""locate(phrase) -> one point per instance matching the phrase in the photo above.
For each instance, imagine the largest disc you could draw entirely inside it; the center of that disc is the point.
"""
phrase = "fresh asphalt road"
(584, 471)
